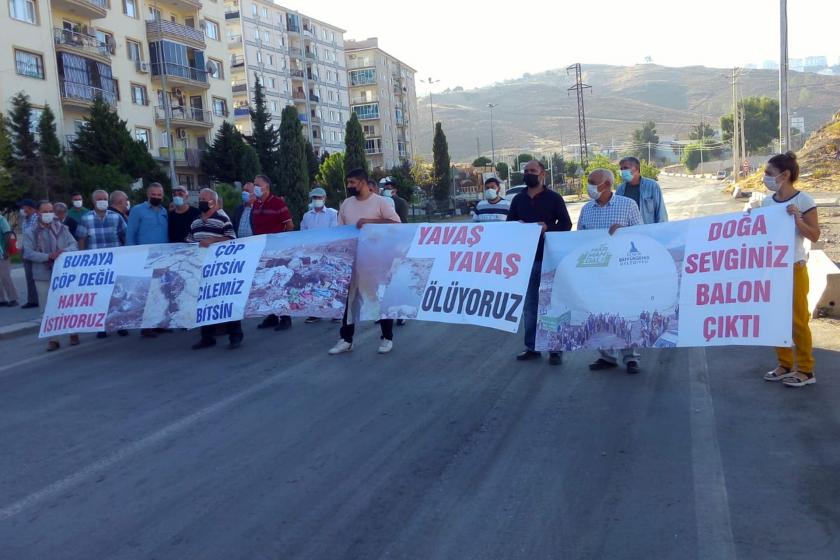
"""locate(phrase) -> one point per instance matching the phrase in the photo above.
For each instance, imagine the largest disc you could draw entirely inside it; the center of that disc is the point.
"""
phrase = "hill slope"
(537, 113)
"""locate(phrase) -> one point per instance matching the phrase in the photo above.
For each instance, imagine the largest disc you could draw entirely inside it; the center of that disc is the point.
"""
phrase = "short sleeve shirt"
(374, 207)
(4, 229)
(270, 216)
(618, 210)
(805, 203)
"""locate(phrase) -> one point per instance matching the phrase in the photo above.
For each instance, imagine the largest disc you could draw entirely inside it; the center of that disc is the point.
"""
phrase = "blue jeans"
(532, 300)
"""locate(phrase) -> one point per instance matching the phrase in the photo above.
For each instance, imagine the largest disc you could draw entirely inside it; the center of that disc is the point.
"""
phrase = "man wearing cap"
(494, 208)
(62, 214)
(181, 215)
(389, 190)
(319, 217)
(28, 220)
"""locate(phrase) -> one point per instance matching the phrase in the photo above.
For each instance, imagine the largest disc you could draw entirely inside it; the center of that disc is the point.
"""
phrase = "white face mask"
(388, 193)
(47, 217)
(491, 194)
(127, 205)
(592, 190)
(77, 203)
(771, 183)
(317, 203)
(101, 205)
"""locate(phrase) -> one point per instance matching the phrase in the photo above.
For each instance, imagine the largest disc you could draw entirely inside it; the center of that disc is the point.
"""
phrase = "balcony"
(363, 100)
(234, 41)
(299, 95)
(315, 98)
(295, 51)
(183, 157)
(87, 46)
(240, 112)
(85, 9)
(180, 76)
(373, 150)
(231, 15)
(312, 77)
(359, 63)
(185, 117)
(162, 30)
(237, 61)
(190, 6)
(296, 73)
(314, 120)
(239, 86)
(82, 96)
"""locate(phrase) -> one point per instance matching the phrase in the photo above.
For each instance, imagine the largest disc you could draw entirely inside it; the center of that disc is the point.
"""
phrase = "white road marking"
(711, 502)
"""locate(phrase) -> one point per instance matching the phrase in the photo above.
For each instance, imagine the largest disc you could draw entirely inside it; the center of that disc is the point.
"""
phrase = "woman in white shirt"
(780, 174)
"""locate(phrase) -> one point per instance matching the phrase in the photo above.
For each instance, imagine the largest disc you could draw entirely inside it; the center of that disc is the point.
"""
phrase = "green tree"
(644, 141)
(331, 177)
(293, 176)
(49, 156)
(354, 145)
(229, 158)
(265, 137)
(482, 161)
(700, 131)
(502, 170)
(691, 156)
(10, 192)
(761, 122)
(312, 163)
(442, 170)
(230, 195)
(401, 174)
(25, 172)
(422, 172)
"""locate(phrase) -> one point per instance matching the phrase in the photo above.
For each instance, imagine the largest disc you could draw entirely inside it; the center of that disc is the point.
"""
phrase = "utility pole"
(736, 125)
(492, 138)
(579, 87)
(431, 82)
(649, 144)
(702, 142)
(784, 115)
(477, 148)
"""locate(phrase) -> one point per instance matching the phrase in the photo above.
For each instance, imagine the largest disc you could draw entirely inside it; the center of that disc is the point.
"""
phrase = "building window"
(274, 106)
(220, 107)
(211, 29)
(271, 60)
(367, 111)
(264, 12)
(272, 83)
(130, 8)
(259, 57)
(22, 10)
(218, 71)
(254, 10)
(266, 37)
(362, 77)
(144, 135)
(135, 50)
(139, 95)
(29, 64)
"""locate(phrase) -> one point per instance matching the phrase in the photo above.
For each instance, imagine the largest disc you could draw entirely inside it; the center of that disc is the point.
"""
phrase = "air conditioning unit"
(177, 92)
(142, 66)
(182, 133)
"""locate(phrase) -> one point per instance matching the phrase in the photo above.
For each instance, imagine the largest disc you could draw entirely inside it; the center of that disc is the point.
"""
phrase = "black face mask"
(352, 191)
(204, 206)
(531, 180)
(155, 201)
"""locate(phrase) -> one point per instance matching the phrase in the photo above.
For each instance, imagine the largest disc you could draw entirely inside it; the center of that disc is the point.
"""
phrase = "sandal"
(779, 373)
(795, 380)
(53, 345)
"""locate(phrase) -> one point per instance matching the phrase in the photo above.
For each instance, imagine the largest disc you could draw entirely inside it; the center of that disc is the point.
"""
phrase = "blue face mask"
(178, 200)
(246, 197)
(626, 174)
(258, 192)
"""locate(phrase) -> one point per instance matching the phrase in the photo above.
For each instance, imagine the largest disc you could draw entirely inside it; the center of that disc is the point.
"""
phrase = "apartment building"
(141, 56)
(384, 98)
(298, 60)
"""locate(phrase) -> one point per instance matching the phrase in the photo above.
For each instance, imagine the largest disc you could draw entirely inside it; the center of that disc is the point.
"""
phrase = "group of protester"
(50, 229)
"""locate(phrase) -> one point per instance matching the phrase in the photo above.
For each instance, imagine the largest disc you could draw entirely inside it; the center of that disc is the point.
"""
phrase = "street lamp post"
(492, 138)
(431, 82)
(784, 115)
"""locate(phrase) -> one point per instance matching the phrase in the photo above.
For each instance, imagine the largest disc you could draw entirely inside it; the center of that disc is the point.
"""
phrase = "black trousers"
(233, 329)
(347, 331)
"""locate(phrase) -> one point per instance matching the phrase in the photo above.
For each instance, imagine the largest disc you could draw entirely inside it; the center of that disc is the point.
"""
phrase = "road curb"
(19, 329)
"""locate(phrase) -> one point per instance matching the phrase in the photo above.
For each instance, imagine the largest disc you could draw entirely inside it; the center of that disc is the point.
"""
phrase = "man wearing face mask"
(211, 227)
(28, 220)
(181, 215)
(493, 208)
(643, 191)
(540, 205)
(62, 215)
(269, 214)
(388, 189)
(46, 241)
(120, 204)
(242, 223)
(77, 208)
(319, 217)
(148, 223)
(610, 211)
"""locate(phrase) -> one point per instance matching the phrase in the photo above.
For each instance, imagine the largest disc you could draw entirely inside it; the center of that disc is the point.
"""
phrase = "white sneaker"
(341, 346)
(385, 346)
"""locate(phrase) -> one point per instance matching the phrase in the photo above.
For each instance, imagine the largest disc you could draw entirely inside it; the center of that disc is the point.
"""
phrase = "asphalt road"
(447, 448)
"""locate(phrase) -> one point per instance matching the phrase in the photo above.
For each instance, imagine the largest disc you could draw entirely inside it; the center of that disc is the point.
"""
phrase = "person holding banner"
(362, 207)
(211, 227)
(45, 242)
(608, 210)
(537, 204)
(493, 208)
(780, 175)
(319, 217)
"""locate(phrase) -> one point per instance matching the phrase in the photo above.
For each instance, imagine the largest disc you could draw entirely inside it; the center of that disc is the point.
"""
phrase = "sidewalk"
(15, 321)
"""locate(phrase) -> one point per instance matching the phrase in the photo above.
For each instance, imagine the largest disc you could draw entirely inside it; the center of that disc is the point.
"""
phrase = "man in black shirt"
(537, 204)
(181, 215)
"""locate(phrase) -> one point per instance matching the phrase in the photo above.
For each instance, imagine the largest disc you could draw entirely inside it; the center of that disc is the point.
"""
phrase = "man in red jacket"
(269, 214)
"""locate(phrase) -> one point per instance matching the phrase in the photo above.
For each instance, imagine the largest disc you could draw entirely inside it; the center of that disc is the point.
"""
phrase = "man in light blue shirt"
(320, 216)
(643, 191)
(147, 223)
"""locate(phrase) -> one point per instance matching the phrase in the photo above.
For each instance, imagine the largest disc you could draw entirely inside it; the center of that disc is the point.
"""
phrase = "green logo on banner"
(598, 257)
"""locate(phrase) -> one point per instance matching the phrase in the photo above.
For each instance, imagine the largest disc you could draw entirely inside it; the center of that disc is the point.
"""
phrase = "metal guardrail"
(185, 114)
(86, 93)
(160, 26)
(87, 43)
(178, 71)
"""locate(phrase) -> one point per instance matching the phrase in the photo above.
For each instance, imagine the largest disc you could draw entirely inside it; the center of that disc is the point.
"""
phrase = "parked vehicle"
(513, 191)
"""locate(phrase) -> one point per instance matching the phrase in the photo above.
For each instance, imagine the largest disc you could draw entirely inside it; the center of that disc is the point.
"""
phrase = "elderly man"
(120, 204)
(242, 215)
(610, 211)
(102, 229)
(181, 215)
(494, 208)
(45, 242)
(77, 209)
(270, 214)
(540, 205)
(319, 217)
(28, 220)
(148, 223)
(211, 227)
(8, 293)
(63, 216)
(643, 191)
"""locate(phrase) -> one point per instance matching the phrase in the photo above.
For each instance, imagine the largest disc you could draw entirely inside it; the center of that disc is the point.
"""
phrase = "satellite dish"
(211, 67)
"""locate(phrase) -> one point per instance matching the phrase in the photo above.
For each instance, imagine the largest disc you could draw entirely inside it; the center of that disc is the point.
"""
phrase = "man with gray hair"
(319, 217)
(609, 211)
(120, 204)
(62, 215)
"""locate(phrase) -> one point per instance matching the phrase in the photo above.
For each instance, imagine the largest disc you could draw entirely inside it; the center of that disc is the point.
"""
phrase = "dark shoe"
(285, 324)
(122, 332)
(310, 320)
(29, 305)
(12, 303)
(101, 335)
(74, 340)
(269, 322)
(400, 322)
(52, 346)
(204, 343)
(148, 333)
(633, 367)
(600, 364)
(4, 304)
(526, 355)
(234, 343)
(555, 358)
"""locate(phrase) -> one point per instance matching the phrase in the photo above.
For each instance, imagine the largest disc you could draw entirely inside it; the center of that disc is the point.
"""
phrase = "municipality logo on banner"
(633, 256)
